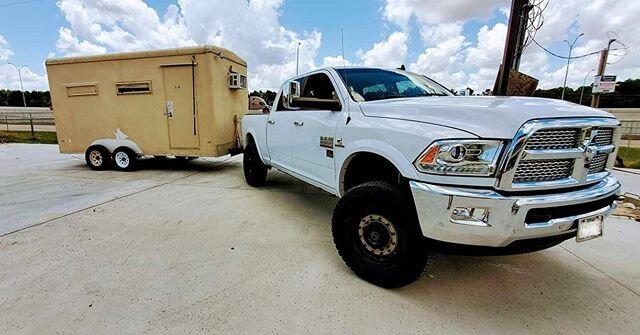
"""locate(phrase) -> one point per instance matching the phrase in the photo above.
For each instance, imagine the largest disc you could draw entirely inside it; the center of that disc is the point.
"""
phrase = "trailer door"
(180, 105)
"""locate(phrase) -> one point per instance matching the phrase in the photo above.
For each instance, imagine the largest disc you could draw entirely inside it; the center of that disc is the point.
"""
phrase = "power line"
(18, 3)
(565, 57)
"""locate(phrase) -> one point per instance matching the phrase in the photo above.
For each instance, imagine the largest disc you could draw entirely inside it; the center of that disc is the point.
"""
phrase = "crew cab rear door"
(279, 139)
(314, 127)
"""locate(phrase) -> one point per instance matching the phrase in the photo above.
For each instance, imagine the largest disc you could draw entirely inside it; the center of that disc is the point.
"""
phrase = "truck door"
(180, 105)
(279, 126)
(314, 128)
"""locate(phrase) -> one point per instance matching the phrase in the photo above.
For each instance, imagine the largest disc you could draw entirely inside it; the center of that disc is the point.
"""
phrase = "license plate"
(589, 228)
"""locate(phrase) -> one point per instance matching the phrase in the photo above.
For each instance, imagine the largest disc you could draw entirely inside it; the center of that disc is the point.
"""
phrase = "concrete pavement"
(188, 247)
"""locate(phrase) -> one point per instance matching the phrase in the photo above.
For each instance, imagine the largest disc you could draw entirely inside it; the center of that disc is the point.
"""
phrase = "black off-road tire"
(97, 157)
(376, 200)
(124, 159)
(255, 172)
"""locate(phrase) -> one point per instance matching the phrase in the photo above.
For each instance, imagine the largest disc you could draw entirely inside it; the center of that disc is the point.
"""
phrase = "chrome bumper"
(504, 221)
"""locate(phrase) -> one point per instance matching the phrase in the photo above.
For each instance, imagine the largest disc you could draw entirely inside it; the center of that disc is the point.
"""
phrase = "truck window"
(318, 93)
(366, 84)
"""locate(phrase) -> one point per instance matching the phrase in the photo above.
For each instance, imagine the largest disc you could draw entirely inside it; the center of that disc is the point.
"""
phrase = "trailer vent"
(76, 90)
(139, 87)
(237, 81)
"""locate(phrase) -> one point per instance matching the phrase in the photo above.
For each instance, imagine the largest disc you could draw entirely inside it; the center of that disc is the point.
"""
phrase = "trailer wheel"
(124, 159)
(255, 172)
(376, 231)
(97, 157)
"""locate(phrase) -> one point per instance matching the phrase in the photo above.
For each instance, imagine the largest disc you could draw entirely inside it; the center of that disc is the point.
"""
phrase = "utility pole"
(566, 73)
(513, 44)
(602, 65)
(298, 58)
(584, 82)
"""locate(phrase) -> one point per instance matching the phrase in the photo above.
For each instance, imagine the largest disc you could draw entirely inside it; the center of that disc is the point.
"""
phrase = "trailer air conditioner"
(237, 81)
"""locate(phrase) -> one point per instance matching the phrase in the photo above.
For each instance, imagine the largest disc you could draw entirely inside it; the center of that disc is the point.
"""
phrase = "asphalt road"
(190, 248)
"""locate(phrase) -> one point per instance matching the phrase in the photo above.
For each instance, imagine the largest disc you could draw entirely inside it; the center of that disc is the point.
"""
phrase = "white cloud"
(249, 28)
(388, 53)
(450, 58)
(433, 12)
(9, 77)
(335, 61)
(567, 19)
(5, 52)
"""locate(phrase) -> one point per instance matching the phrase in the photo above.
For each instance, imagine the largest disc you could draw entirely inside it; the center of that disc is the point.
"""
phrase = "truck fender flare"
(394, 156)
(251, 132)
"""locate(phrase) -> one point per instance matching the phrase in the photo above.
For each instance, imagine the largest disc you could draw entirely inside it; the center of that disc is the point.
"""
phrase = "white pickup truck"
(418, 170)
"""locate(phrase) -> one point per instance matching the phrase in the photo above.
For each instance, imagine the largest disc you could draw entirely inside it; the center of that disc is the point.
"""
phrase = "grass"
(44, 137)
(631, 157)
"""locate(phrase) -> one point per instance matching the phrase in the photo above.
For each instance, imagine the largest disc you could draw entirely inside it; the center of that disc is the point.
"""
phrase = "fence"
(30, 119)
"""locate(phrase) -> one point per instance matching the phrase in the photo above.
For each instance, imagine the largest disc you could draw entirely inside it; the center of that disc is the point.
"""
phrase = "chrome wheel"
(378, 235)
(95, 157)
(122, 159)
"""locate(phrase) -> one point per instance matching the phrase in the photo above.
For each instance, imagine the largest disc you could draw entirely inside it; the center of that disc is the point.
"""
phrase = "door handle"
(271, 122)
(298, 123)
(169, 110)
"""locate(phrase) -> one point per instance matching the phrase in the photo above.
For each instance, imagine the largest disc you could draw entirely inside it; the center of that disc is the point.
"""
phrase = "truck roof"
(149, 54)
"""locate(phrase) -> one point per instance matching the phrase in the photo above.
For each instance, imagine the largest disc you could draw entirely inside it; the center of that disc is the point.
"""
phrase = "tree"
(34, 98)
(268, 95)
(627, 95)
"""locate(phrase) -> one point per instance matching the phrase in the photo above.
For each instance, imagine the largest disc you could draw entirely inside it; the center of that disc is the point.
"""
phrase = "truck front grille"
(548, 139)
(604, 137)
(598, 163)
(547, 154)
(543, 170)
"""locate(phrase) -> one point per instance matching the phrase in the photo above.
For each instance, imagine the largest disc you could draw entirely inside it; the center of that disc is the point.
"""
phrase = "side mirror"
(290, 91)
(294, 89)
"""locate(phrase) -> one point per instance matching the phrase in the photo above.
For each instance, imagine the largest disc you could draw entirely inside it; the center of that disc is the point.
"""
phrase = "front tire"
(376, 231)
(255, 172)
(124, 159)
(97, 157)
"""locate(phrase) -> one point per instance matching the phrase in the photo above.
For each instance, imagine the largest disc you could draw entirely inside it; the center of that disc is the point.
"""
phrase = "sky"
(457, 42)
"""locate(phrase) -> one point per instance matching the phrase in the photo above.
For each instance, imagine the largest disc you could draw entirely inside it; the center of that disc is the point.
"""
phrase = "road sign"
(604, 84)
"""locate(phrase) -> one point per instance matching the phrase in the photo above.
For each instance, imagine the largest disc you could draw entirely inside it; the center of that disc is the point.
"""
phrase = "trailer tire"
(97, 157)
(255, 172)
(124, 159)
(376, 231)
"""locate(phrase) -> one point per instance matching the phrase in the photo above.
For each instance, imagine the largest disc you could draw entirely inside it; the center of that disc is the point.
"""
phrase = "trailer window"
(140, 87)
(75, 90)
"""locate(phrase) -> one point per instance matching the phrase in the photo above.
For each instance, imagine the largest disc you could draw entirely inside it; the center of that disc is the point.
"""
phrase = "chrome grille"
(598, 163)
(554, 153)
(543, 170)
(604, 137)
(548, 139)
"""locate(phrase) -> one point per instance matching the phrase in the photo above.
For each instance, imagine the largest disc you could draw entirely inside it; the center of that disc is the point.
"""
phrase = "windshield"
(377, 84)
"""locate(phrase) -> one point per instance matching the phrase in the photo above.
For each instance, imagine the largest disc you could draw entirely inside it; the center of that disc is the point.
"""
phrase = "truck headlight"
(460, 157)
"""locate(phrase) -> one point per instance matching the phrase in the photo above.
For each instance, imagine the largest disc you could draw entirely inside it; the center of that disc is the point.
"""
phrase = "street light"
(298, 58)
(584, 82)
(24, 100)
(566, 74)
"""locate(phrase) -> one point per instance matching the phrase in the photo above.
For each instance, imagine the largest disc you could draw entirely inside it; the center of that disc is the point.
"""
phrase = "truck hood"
(487, 117)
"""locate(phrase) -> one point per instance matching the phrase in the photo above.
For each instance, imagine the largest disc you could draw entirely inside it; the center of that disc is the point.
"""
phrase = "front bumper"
(507, 219)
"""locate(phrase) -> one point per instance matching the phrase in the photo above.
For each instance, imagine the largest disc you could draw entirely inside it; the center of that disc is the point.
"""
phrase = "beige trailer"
(117, 107)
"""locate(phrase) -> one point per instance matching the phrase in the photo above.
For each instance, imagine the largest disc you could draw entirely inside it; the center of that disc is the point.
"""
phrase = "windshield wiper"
(388, 96)
(431, 95)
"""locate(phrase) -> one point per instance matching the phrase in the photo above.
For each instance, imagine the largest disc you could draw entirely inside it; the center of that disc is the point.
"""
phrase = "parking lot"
(188, 247)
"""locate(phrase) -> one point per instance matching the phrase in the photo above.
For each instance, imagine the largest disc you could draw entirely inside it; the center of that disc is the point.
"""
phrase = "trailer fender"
(121, 140)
